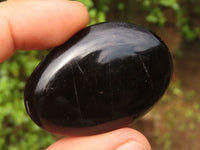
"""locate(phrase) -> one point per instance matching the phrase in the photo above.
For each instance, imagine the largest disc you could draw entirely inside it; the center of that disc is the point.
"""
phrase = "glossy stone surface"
(103, 78)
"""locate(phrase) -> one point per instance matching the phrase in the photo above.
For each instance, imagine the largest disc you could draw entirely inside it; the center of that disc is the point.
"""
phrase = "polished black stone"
(103, 78)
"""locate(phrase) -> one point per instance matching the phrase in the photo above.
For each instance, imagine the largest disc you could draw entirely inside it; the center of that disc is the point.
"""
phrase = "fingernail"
(131, 145)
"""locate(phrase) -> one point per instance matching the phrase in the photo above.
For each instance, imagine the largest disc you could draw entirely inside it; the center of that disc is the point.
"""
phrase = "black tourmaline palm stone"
(103, 78)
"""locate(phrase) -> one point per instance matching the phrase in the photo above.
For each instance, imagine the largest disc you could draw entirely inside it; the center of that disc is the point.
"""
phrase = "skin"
(42, 24)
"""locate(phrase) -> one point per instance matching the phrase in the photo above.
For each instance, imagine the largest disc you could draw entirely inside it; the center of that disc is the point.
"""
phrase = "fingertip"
(49, 24)
(83, 9)
(136, 136)
(84, 12)
(117, 139)
(29, 25)
(124, 135)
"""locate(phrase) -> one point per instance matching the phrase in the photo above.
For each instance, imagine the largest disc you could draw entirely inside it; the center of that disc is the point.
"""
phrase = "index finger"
(29, 25)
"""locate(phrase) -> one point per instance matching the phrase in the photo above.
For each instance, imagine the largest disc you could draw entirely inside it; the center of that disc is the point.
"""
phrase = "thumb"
(121, 139)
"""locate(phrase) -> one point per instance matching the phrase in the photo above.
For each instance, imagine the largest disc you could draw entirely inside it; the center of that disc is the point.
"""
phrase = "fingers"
(38, 24)
(121, 139)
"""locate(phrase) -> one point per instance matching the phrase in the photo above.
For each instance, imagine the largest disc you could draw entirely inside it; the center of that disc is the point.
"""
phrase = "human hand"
(38, 24)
